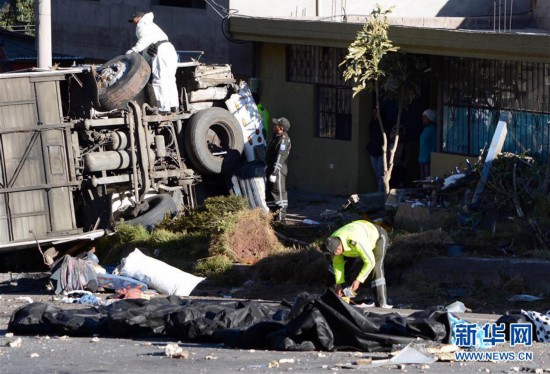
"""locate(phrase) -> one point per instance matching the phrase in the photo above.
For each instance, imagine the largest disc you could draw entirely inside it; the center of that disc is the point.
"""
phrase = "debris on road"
(457, 307)
(25, 298)
(15, 343)
(286, 361)
(158, 275)
(173, 350)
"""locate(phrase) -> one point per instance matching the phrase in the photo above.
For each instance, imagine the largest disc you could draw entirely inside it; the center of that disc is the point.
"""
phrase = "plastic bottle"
(308, 221)
(348, 292)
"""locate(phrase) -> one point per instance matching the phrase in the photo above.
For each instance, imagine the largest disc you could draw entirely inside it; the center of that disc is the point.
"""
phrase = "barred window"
(477, 90)
(319, 66)
(334, 120)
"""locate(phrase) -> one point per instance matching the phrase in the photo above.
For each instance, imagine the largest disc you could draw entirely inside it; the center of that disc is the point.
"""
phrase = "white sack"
(158, 275)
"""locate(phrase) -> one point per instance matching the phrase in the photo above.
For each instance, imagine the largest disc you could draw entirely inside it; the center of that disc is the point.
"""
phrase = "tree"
(404, 77)
(18, 14)
(374, 63)
(363, 66)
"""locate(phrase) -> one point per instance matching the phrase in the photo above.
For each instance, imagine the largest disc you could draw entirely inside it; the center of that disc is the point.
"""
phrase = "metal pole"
(494, 16)
(511, 6)
(499, 10)
(504, 18)
(44, 34)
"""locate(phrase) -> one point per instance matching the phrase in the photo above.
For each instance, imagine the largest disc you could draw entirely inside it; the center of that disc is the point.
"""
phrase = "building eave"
(523, 45)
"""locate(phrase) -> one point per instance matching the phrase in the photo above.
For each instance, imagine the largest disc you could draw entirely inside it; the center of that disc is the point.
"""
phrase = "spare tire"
(119, 80)
(158, 206)
(214, 141)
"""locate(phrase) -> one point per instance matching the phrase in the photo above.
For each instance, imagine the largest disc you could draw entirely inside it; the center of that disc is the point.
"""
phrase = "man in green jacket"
(364, 240)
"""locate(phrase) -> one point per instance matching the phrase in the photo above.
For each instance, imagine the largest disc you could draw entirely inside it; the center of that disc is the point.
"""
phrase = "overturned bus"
(84, 147)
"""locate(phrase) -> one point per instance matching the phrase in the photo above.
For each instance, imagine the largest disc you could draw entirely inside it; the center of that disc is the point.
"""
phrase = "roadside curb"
(489, 271)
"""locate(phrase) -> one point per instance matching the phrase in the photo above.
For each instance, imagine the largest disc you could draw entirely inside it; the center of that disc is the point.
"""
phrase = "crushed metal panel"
(53, 240)
(55, 155)
(33, 161)
(4, 230)
(21, 161)
(204, 76)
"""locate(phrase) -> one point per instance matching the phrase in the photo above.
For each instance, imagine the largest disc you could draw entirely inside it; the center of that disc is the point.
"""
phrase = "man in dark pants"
(278, 150)
(366, 241)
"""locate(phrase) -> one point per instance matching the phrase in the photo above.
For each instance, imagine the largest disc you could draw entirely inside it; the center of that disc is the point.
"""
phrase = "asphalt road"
(54, 354)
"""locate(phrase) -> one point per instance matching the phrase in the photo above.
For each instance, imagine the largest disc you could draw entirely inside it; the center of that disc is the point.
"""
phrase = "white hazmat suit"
(163, 64)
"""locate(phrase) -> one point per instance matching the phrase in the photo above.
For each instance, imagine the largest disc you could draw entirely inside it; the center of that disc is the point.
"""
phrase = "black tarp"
(309, 323)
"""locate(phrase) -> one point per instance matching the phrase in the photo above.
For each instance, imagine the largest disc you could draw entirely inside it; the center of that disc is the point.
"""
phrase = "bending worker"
(364, 240)
(162, 56)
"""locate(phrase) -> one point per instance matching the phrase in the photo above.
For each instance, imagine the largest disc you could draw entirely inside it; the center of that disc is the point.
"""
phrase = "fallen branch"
(519, 211)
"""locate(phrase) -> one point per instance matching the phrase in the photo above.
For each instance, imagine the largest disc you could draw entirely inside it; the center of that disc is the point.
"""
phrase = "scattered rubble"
(15, 343)
(173, 350)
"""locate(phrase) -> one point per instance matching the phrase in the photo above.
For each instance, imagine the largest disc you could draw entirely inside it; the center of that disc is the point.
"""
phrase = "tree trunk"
(389, 154)
(385, 175)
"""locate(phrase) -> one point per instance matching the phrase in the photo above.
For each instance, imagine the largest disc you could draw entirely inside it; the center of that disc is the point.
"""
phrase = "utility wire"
(225, 14)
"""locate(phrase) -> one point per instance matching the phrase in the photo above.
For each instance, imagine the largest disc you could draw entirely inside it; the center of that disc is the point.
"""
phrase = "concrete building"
(486, 55)
(99, 29)
(18, 51)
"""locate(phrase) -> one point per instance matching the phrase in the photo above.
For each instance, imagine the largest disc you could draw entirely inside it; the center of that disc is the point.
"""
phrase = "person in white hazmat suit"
(162, 56)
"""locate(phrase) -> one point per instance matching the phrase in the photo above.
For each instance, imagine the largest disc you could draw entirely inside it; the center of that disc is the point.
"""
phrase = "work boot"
(281, 215)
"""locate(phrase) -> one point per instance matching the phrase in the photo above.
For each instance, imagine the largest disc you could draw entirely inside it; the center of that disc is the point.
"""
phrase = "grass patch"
(303, 266)
(208, 241)
(216, 214)
(419, 291)
(408, 248)
(212, 267)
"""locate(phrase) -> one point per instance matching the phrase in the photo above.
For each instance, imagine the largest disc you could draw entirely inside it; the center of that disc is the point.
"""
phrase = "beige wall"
(423, 12)
(315, 164)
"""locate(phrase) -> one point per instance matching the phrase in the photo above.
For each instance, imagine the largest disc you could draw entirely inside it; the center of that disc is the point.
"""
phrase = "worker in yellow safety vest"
(264, 114)
(364, 240)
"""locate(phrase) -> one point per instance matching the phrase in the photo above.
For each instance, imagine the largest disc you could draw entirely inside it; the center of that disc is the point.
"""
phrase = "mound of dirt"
(249, 239)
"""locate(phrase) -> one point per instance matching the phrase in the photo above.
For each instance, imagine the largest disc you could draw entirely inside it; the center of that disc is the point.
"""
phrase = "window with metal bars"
(319, 66)
(334, 111)
(475, 91)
